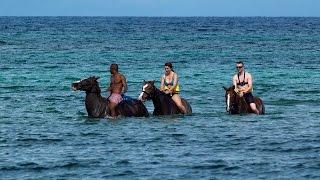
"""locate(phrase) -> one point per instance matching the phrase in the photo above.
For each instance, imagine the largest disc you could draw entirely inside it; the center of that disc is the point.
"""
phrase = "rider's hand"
(167, 91)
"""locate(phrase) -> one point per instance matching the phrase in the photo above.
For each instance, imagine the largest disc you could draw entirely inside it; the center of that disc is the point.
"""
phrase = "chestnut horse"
(97, 106)
(163, 103)
(237, 105)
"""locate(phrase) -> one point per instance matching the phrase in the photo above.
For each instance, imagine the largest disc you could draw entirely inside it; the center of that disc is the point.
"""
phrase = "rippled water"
(45, 132)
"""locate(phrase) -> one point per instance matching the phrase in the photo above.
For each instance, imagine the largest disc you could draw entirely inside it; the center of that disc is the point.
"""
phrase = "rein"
(146, 93)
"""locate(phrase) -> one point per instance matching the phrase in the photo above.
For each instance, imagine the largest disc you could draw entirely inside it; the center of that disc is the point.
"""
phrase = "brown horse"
(97, 106)
(237, 105)
(163, 103)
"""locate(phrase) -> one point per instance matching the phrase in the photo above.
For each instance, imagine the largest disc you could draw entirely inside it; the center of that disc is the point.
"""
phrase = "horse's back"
(167, 107)
(174, 109)
(132, 107)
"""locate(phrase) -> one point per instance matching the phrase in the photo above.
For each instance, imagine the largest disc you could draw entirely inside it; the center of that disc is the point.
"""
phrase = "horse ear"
(152, 82)
(225, 88)
(97, 77)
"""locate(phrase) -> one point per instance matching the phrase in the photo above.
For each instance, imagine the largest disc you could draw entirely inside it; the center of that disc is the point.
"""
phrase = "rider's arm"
(234, 82)
(249, 87)
(162, 84)
(110, 85)
(124, 83)
(175, 82)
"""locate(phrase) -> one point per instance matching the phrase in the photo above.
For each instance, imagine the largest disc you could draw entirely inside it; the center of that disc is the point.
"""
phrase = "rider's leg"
(114, 100)
(254, 108)
(176, 98)
(112, 107)
(250, 100)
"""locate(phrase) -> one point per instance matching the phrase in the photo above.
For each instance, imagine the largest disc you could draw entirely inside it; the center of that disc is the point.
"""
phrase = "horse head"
(231, 100)
(147, 91)
(89, 85)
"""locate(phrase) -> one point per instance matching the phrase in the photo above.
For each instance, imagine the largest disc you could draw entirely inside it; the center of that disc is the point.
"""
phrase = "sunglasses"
(239, 67)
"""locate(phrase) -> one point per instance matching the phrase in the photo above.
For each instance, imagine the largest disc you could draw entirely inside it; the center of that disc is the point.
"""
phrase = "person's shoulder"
(234, 76)
(122, 76)
(175, 74)
(248, 74)
(118, 76)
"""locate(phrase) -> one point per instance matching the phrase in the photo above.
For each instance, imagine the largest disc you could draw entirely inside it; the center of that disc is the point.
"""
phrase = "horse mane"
(239, 102)
(95, 86)
(160, 100)
(157, 90)
(163, 102)
(231, 88)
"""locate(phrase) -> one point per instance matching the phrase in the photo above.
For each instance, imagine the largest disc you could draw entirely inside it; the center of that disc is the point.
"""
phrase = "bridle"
(149, 95)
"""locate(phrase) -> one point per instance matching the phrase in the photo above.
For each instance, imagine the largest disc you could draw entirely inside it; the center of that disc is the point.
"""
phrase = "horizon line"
(163, 16)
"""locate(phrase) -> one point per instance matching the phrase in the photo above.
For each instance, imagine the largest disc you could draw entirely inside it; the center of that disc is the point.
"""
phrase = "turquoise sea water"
(45, 132)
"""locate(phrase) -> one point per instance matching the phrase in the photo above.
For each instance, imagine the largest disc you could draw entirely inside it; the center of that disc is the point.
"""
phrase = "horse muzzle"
(75, 86)
(142, 99)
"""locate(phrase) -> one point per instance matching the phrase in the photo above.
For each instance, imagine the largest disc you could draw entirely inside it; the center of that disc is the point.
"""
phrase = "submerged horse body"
(237, 105)
(97, 106)
(163, 103)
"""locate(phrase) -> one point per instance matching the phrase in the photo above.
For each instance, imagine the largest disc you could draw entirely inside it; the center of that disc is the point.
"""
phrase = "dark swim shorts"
(248, 97)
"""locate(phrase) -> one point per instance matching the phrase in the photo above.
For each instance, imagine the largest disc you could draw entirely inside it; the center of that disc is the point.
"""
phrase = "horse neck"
(95, 103)
(234, 103)
(156, 98)
(94, 91)
(237, 100)
(241, 104)
(94, 96)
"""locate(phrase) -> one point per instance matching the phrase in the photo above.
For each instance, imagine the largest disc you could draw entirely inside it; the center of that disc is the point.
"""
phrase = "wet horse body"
(237, 105)
(97, 106)
(163, 103)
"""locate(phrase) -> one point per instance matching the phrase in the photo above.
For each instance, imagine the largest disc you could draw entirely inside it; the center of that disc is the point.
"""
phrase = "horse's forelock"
(93, 78)
(145, 86)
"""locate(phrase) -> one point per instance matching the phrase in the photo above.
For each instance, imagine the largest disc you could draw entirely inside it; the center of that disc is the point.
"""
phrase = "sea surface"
(45, 132)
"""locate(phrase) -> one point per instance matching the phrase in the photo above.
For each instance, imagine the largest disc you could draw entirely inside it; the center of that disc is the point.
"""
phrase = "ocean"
(45, 132)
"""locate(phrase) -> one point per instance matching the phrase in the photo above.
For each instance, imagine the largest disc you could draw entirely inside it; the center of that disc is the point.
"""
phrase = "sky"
(160, 8)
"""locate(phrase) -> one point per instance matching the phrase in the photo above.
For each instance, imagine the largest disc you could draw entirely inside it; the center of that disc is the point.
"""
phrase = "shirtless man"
(242, 82)
(118, 85)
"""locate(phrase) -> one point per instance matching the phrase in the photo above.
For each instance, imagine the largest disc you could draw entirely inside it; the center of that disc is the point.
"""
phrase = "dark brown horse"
(237, 105)
(97, 106)
(163, 103)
